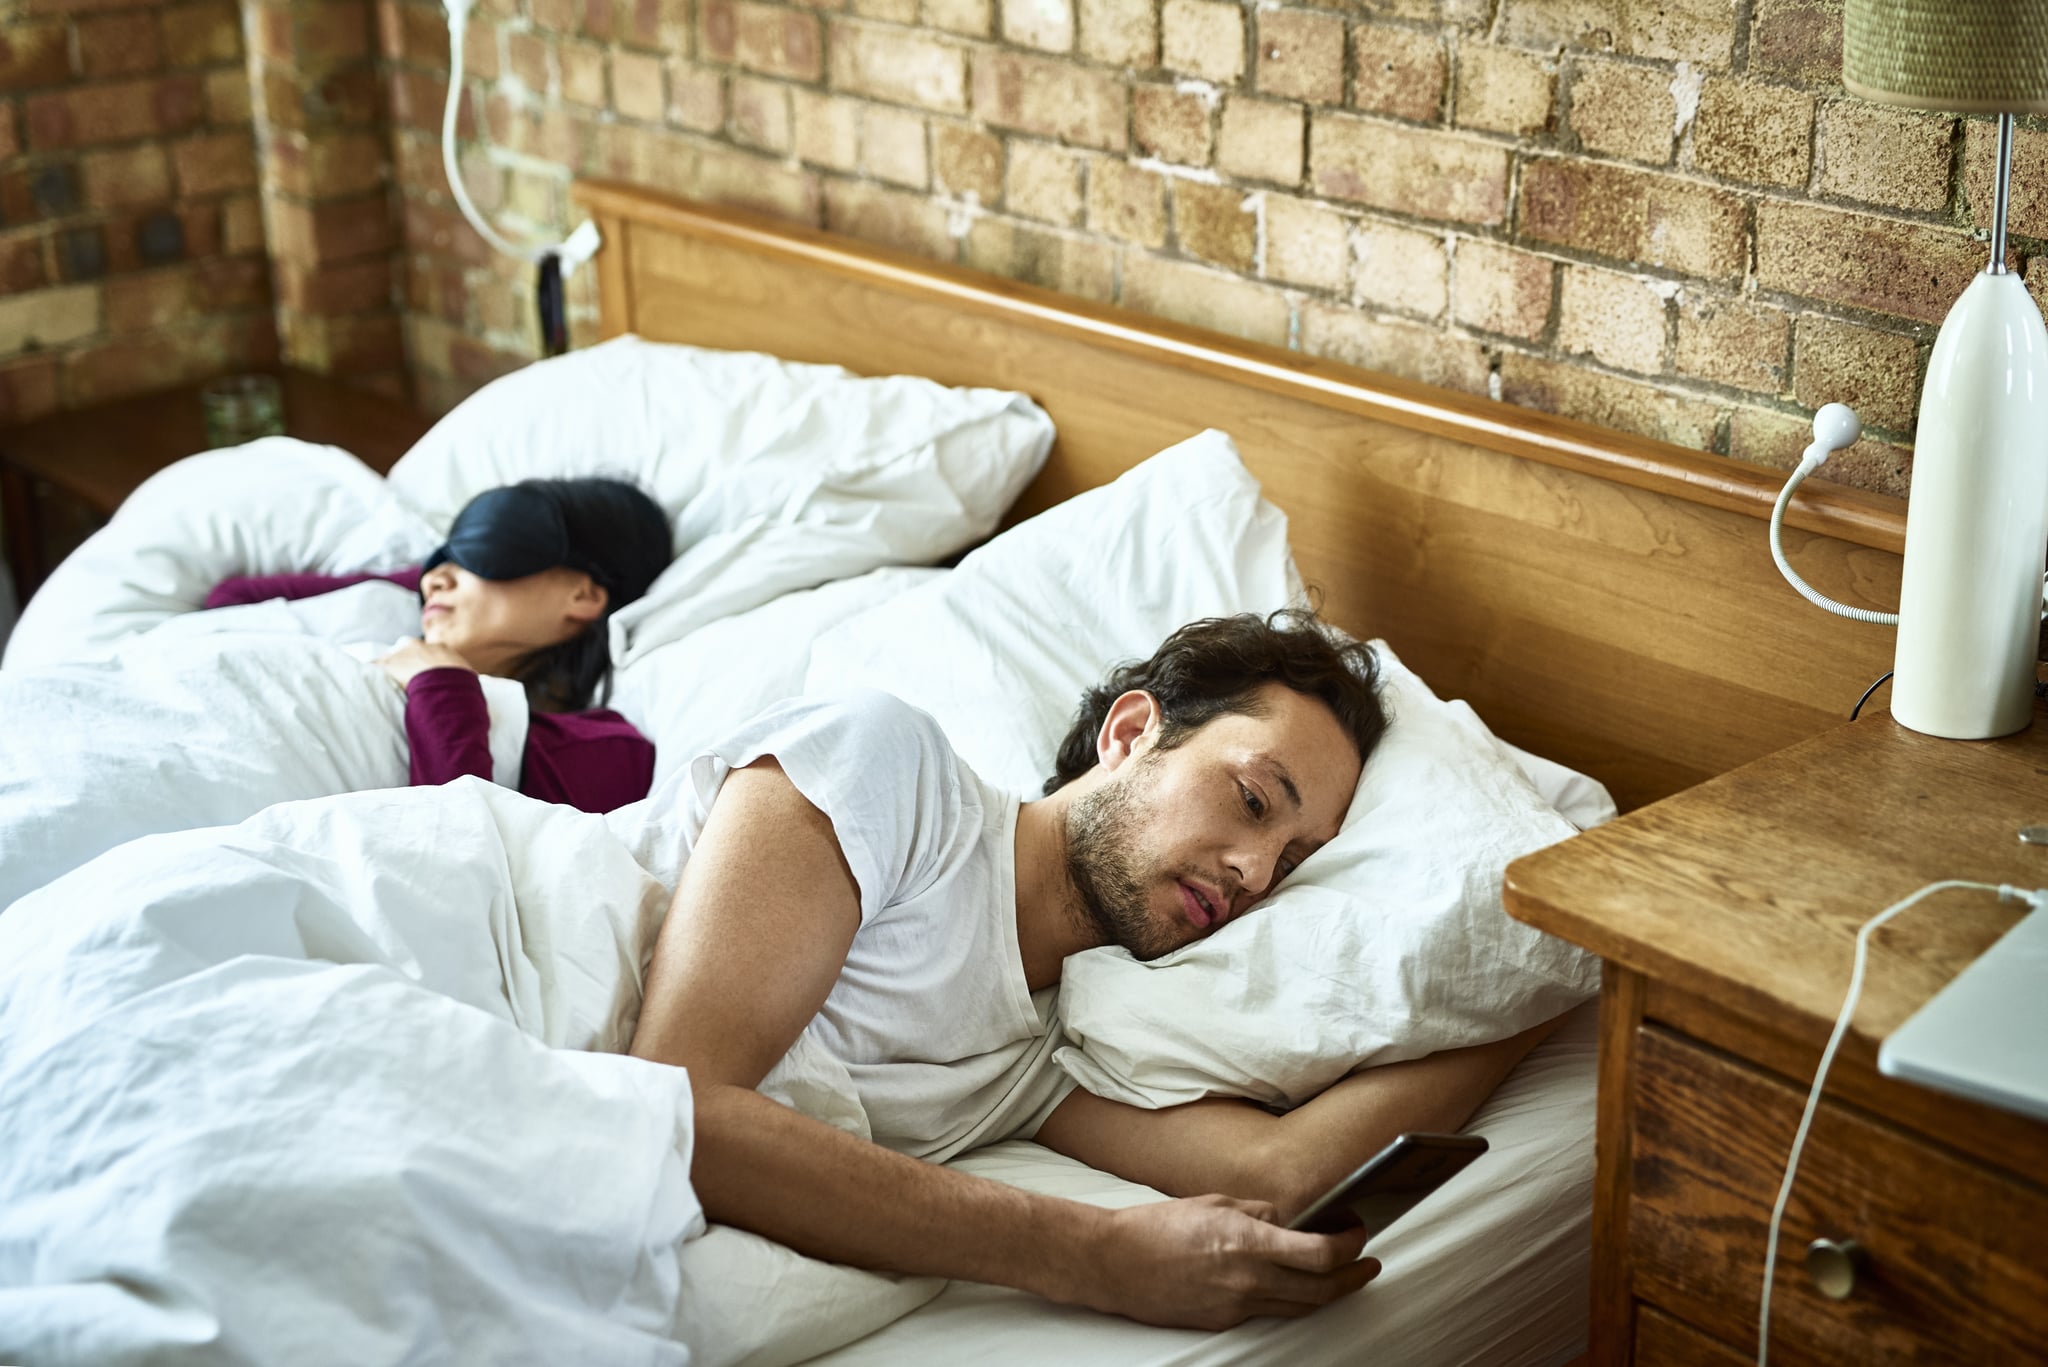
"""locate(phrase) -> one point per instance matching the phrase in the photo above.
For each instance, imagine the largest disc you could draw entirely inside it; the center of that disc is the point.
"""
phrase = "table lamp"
(1977, 520)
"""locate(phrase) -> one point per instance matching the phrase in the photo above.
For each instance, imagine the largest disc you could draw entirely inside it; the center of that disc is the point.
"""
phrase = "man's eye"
(1251, 801)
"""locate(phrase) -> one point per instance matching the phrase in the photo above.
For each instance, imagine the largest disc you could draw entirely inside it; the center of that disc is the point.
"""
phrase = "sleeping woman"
(523, 589)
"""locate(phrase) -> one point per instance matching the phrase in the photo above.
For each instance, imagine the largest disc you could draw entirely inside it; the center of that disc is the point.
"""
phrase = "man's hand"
(1211, 1262)
(413, 655)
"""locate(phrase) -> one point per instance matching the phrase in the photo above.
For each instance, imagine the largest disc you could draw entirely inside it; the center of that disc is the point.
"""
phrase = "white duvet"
(330, 1087)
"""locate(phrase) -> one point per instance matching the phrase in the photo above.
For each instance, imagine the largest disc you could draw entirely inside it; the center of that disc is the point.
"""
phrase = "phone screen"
(1391, 1183)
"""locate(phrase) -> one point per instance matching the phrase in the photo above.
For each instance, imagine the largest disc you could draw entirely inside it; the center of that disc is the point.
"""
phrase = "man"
(856, 887)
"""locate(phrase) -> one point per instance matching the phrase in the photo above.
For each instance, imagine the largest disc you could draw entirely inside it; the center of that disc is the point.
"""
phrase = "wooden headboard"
(1602, 599)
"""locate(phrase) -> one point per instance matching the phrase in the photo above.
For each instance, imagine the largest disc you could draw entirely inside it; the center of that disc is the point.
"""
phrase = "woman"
(522, 589)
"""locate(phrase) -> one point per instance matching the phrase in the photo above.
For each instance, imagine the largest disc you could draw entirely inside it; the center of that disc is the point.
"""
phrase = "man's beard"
(1102, 863)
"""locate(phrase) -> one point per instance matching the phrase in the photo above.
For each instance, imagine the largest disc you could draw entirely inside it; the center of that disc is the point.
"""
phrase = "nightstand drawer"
(1954, 1263)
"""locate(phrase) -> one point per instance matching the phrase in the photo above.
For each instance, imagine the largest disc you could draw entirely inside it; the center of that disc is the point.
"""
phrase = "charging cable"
(2037, 898)
(557, 261)
(1834, 427)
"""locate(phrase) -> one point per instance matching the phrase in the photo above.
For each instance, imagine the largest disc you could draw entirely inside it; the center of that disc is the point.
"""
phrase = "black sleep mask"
(510, 533)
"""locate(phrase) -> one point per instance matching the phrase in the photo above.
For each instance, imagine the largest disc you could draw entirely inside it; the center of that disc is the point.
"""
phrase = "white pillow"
(690, 694)
(1000, 651)
(777, 475)
(1388, 943)
(274, 506)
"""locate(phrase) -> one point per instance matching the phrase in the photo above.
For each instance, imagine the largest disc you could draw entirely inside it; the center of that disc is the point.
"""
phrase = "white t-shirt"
(930, 1042)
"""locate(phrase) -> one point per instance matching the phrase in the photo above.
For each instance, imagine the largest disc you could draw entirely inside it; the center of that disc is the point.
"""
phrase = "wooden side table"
(94, 457)
(1727, 916)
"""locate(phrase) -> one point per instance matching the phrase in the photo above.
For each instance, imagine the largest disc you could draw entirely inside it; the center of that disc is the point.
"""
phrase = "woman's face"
(496, 623)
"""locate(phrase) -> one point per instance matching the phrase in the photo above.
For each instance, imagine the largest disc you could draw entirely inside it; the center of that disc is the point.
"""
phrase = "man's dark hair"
(1218, 665)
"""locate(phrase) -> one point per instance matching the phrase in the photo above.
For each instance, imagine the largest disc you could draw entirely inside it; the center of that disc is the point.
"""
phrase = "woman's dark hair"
(1218, 665)
(619, 537)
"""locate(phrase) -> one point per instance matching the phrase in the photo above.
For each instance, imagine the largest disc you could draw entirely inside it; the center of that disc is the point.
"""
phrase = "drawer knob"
(1833, 1265)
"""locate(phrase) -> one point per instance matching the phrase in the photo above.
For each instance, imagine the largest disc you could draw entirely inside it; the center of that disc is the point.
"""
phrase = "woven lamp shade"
(1959, 56)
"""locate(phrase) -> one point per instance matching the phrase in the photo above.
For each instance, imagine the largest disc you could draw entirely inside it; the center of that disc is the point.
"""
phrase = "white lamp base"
(1977, 523)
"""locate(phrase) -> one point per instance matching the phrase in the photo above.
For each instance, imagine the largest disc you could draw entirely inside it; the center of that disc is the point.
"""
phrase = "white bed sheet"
(1494, 1269)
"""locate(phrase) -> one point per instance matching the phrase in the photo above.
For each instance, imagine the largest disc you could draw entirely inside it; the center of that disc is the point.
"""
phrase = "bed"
(1605, 602)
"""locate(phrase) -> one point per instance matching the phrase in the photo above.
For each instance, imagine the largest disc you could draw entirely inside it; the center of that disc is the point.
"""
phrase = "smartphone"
(1390, 1184)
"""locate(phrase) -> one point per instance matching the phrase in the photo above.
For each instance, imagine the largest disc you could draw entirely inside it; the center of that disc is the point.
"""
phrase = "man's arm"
(756, 937)
(1242, 1149)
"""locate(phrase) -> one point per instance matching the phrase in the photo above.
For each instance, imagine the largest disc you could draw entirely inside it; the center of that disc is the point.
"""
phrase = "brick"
(2037, 281)
(1044, 183)
(1624, 111)
(1399, 72)
(764, 38)
(28, 390)
(872, 214)
(1635, 216)
(1698, 31)
(82, 253)
(893, 147)
(21, 263)
(30, 192)
(760, 114)
(1216, 223)
(128, 44)
(582, 70)
(1750, 131)
(227, 98)
(479, 52)
(354, 344)
(1430, 175)
(1172, 124)
(1300, 56)
(34, 54)
(1261, 140)
(1619, 320)
(429, 228)
(901, 68)
(637, 88)
(140, 174)
(148, 300)
(1910, 270)
(555, 16)
(1120, 32)
(117, 111)
(161, 360)
(1797, 40)
(10, 132)
(42, 320)
(733, 177)
(826, 130)
(1576, 391)
(967, 163)
(241, 225)
(1203, 38)
(1047, 25)
(1127, 202)
(903, 12)
(1895, 157)
(1764, 436)
(330, 31)
(482, 177)
(1205, 298)
(340, 163)
(1502, 90)
(214, 162)
(270, 34)
(1496, 288)
(599, 20)
(2027, 214)
(1306, 244)
(1408, 350)
(1067, 262)
(1732, 341)
(335, 231)
(1398, 268)
(1053, 99)
(351, 287)
(526, 62)
(1876, 373)
(973, 18)
(696, 97)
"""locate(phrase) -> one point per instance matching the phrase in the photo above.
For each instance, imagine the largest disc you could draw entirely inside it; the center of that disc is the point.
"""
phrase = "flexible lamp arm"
(1834, 427)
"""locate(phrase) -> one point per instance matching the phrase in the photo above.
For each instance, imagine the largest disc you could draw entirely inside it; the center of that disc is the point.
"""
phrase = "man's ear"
(1130, 728)
(587, 600)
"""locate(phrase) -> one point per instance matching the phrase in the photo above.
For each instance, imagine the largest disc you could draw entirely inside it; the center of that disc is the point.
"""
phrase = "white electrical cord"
(1834, 427)
(579, 247)
(2037, 897)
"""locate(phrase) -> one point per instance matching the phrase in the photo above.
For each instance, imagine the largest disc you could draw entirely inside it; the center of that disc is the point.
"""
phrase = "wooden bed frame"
(1601, 599)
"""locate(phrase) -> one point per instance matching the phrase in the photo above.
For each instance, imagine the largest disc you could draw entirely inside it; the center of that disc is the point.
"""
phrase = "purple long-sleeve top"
(594, 760)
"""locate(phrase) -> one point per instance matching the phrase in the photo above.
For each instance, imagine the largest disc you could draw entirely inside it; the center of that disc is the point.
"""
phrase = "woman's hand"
(414, 655)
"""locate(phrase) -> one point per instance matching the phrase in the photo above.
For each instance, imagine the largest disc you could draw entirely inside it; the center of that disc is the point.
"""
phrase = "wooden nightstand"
(92, 458)
(1727, 917)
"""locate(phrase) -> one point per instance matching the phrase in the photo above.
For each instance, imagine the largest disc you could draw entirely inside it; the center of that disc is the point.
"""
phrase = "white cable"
(1834, 427)
(2006, 892)
(581, 245)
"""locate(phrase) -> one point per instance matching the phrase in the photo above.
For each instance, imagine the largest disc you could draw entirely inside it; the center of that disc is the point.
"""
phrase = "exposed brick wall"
(131, 239)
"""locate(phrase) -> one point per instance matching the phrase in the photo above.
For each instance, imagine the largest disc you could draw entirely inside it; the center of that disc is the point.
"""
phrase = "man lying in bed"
(856, 883)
